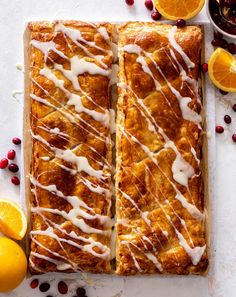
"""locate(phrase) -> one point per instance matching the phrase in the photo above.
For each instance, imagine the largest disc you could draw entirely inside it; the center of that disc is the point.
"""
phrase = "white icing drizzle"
(67, 155)
(178, 48)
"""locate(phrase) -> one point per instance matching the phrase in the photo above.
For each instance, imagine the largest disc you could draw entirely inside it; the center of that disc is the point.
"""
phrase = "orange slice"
(179, 9)
(13, 222)
(222, 70)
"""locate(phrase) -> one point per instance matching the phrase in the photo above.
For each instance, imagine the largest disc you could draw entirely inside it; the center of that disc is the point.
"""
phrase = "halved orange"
(179, 9)
(13, 222)
(222, 70)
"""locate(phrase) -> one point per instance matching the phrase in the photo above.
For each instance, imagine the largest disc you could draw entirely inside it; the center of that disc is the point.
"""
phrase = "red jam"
(223, 13)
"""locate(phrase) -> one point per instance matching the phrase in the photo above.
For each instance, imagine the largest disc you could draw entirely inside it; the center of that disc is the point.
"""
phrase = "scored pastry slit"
(159, 184)
(67, 115)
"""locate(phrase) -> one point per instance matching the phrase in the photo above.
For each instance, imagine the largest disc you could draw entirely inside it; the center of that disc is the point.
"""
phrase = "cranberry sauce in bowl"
(222, 14)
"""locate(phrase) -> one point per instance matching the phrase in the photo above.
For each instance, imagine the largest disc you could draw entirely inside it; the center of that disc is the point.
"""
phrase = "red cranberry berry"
(3, 163)
(224, 44)
(149, 4)
(15, 180)
(44, 287)
(219, 129)
(223, 92)
(234, 107)
(180, 23)
(232, 48)
(218, 35)
(62, 288)
(229, 3)
(227, 119)
(129, 2)
(216, 42)
(34, 283)
(204, 67)
(16, 140)
(156, 15)
(11, 155)
(80, 292)
(13, 167)
(234, 137)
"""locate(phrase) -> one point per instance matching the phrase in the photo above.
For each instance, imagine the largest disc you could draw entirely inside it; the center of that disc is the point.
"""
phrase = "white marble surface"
(221, 281)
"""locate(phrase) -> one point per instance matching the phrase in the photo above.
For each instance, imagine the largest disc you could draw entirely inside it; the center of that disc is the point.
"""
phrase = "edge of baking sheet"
(208, 160)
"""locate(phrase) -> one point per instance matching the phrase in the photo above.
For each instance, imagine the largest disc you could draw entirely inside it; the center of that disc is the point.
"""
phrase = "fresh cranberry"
(44, 287)
(15, 180)
(204, 67)
(223, 92)
(129, 2)
(216, 42)
(156, 15)
(13, 167)
(180, 23)
(218, 35)
(11, 155)
(3, 163)
(228, 3)
(216, 16)
(34, 283)
(227, 119)
(62, 288)
(16, 140)
(234, 107)
(232, 48)
(80, 292)
(234, 137)
(224, 44)
(149, 4)
(219, 129)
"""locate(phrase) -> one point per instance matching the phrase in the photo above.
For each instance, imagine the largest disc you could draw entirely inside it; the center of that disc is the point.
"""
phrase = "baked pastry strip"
(70, 68)
(159, 187)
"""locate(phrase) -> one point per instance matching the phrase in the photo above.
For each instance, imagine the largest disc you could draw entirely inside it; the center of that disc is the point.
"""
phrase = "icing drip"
(178, 48)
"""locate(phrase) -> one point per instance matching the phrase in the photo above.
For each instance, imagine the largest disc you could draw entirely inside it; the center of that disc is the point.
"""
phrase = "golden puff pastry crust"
(70, 66)
(159, 184)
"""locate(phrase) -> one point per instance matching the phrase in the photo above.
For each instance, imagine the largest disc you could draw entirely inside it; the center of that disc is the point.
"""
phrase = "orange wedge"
(13, 222)
(179, 9)
(222, 70)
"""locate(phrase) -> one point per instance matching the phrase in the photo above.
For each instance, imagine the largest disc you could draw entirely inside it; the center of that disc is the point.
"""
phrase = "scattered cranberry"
(16, 140)
(3, 163)
(218, 35)
(219, 129)
(13, 167)
(234, 137)
(11, 155)
(204, 67)
(44, 287)
(34, 283)
(15, 180)
(223, 92)
(227, 119)
(232, 48)
(149, 4)
(62, 288)
(129, 2)
(80, 292)
(180, 23)
(156, 15)
(216, 42)
(224, 44)
(234, 107)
